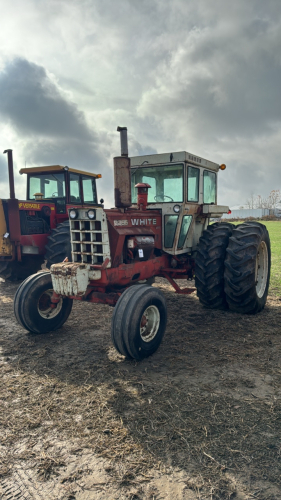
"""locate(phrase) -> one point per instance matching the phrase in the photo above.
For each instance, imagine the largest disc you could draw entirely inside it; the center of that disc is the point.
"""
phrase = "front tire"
(33, 308)
(247, 268)
(139, 322)
(209, 265)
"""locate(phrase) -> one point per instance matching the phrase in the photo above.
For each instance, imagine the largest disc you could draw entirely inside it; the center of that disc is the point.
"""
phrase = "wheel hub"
(150, 323)
(45, 306)
(261, 272)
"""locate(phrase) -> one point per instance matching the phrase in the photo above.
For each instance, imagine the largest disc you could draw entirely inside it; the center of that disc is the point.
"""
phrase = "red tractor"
(159, 227)
(37, 228)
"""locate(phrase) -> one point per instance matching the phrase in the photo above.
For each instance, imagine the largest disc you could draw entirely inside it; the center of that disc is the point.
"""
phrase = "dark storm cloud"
(73, 153)
(54, 130)
(32, 104)
(223, 75)
(199, 76)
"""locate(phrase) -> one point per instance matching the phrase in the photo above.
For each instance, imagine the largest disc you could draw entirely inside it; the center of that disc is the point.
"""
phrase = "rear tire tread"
(209, 265)
(240, 286)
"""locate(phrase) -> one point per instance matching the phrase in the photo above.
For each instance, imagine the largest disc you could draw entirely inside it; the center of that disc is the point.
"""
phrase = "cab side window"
(89, 189)
(209, 187)
(74, 181)
(193, 184)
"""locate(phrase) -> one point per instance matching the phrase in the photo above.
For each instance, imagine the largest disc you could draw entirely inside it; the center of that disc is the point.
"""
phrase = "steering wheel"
(164, 196)
(55, 193)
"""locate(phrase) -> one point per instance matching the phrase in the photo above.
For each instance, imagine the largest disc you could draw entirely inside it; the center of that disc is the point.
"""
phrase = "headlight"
(91, 214)
(73, 214)
(176, 208)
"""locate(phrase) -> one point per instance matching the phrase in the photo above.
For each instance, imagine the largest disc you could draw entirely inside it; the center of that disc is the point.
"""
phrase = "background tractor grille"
(89, 239)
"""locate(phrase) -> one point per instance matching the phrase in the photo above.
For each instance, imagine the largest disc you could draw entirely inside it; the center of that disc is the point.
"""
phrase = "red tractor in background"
(37, 229)
(159, 227)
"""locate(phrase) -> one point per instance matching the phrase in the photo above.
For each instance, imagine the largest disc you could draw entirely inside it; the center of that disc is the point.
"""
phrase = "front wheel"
(247, 268)
(33, 307)
(139, 322)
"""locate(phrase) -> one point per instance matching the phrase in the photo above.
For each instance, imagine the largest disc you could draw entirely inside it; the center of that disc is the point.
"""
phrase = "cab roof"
(173, 157)
(55, 168)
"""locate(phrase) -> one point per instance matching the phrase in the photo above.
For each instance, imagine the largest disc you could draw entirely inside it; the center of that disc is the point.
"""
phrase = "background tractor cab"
(61, 185)
(37, 229)
(184, 187)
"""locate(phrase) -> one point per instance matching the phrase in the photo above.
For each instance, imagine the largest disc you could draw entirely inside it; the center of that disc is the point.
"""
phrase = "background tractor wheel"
(33, 308)
(247, 268)
(13, 271)
(58, 246)
(139, 321)
(209, 265)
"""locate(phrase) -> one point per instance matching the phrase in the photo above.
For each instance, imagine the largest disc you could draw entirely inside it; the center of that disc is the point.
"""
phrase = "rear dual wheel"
(247, 268)
(209, 265)
(232, 267)
(33, 307)
(139, 322)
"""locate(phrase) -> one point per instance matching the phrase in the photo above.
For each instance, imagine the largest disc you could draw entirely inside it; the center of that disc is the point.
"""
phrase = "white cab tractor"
(160, 226)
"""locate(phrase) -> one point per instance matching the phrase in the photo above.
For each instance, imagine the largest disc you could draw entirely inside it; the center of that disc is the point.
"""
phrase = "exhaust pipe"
(123, 140)
(13, 210)
(122, 173)
(11, 173)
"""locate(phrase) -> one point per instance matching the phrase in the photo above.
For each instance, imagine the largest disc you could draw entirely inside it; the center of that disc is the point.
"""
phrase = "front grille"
(89, 238)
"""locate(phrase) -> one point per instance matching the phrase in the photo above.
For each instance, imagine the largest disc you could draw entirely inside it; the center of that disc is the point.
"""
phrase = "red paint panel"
(129, 223)
(37, 240)
(122, 275)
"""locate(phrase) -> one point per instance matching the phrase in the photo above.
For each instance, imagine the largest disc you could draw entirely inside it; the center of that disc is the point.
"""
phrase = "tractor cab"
(61, 185)
(37, 228)
(184, 188)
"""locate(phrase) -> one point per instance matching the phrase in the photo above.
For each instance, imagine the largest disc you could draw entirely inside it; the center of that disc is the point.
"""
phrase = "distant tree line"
(257, 201)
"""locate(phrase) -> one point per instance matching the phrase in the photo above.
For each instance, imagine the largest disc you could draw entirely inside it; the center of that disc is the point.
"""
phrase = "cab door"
(179, 222)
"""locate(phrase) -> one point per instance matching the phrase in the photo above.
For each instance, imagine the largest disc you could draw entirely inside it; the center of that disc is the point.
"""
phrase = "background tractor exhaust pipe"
(14, 229)
(11, 172)
(122, 173)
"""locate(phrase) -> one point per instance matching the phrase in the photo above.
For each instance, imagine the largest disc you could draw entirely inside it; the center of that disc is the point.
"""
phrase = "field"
(199, 420)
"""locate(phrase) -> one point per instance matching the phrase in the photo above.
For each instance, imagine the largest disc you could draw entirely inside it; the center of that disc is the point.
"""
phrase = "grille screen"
(89, 241)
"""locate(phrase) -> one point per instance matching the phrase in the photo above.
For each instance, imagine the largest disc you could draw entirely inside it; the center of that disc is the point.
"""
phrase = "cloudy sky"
(201, 76)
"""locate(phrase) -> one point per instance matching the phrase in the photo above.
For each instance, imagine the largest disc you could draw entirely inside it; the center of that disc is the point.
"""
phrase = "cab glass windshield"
(49, 185)
(166, 183)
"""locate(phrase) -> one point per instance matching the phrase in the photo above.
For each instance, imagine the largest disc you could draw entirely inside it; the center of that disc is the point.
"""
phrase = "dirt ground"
(198, 420)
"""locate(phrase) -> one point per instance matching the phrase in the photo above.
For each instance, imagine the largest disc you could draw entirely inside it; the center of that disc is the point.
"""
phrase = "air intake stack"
(122, 173)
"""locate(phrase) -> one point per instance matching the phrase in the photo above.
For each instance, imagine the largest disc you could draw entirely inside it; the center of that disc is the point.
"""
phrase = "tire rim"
(44, 305)
(261, 273)
(149, 324)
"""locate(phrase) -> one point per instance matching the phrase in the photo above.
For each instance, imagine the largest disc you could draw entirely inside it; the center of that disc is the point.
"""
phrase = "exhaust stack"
(11, 172)
(122, 173)
(14, 229)
(123, 140)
